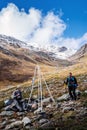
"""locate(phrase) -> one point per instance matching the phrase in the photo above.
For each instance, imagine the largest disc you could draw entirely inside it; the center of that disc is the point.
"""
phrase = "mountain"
(18, 60)
(53, 50)
(80, 53)
(17, 65)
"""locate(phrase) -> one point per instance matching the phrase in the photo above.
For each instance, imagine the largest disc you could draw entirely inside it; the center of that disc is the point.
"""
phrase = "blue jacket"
(71, 81)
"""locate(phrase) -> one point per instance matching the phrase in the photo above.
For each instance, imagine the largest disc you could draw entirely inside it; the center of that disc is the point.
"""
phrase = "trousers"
(72, 92)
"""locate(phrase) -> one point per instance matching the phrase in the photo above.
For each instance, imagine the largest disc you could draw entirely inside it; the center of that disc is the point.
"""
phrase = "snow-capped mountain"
(18, 59)
(6, 40)
(53, 50)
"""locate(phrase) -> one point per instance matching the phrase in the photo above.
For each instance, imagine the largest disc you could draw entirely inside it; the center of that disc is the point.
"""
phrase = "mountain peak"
(62, 49)
(55, 50)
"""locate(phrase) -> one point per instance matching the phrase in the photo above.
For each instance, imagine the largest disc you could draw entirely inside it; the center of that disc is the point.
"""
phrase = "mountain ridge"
(18, 60)
(80, 53)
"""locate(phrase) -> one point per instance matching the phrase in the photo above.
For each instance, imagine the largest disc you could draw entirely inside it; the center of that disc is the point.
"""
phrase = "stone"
(45, 125)
(3, 124)
(6, 113)
(66, 109)
(85, 91)
(14, 124)
(26, 121)
(12, 120)
(63, 97)
(58, 105)
(42, 121)
(37, 111)
(49, 106)
(78, 92)
(20, 113)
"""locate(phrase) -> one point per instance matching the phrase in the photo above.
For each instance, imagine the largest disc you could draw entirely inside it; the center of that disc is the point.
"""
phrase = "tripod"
(39, 76)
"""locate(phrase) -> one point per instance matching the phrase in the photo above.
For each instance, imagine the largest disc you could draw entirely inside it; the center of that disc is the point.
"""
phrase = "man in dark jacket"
(72, 85)
(18, 101)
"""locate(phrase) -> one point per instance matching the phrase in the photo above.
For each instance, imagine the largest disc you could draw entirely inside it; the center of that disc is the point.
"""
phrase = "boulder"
(63, 97)
(66, 96)
(85, 91)
(38, 110)
(78, 92)
(26, 121)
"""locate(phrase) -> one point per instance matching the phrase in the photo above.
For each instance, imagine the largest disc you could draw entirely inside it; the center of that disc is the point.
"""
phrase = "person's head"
(70, 74)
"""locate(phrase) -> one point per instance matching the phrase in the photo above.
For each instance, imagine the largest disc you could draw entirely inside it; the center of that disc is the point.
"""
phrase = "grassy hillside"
(55, 77)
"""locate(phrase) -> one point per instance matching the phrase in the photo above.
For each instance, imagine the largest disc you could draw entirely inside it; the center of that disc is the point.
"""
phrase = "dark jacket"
(71, 81)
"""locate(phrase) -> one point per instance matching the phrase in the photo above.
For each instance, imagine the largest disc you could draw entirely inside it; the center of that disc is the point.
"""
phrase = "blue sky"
(73, 14)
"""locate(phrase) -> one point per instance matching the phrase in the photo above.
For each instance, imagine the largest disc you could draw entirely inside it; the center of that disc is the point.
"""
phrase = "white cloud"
(72, 42)
(17, 23)
(51, 27)
(34, 27)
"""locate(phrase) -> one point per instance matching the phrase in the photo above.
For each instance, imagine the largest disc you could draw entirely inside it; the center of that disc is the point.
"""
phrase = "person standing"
(71, 81)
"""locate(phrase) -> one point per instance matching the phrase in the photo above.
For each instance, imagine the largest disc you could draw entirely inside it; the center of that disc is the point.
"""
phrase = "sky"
(61, 22)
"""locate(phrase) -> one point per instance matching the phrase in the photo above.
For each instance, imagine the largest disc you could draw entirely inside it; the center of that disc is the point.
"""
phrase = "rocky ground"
(64, 115)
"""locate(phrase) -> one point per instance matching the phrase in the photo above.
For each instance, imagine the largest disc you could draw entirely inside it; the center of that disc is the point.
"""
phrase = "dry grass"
(50, 73)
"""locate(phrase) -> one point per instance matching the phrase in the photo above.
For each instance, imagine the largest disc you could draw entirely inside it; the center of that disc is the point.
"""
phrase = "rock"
(49, 106)
(38, 110)
(85, 91)
(38, 117)
(42, 121)
(58, 105)
(26, 121)
(67, 97)
(20, 113)
(14, 124)
(46, 100)
(63, 97)
(12, 120)
(3, 124)
(46, 125)
(6, 113)
(66, 109)
(27, 127)
(78, 92)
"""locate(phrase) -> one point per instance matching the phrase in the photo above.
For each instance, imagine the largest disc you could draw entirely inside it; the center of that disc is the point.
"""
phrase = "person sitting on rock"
(71, 81)
(17, 99)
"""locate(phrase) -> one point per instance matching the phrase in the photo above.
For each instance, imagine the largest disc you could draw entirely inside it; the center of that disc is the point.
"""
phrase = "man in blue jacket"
(72, 85)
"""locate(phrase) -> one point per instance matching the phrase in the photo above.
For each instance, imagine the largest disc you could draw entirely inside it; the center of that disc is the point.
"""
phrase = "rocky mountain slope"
(64, 114)
(53, 50)
(18, 60)
(80, 53)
